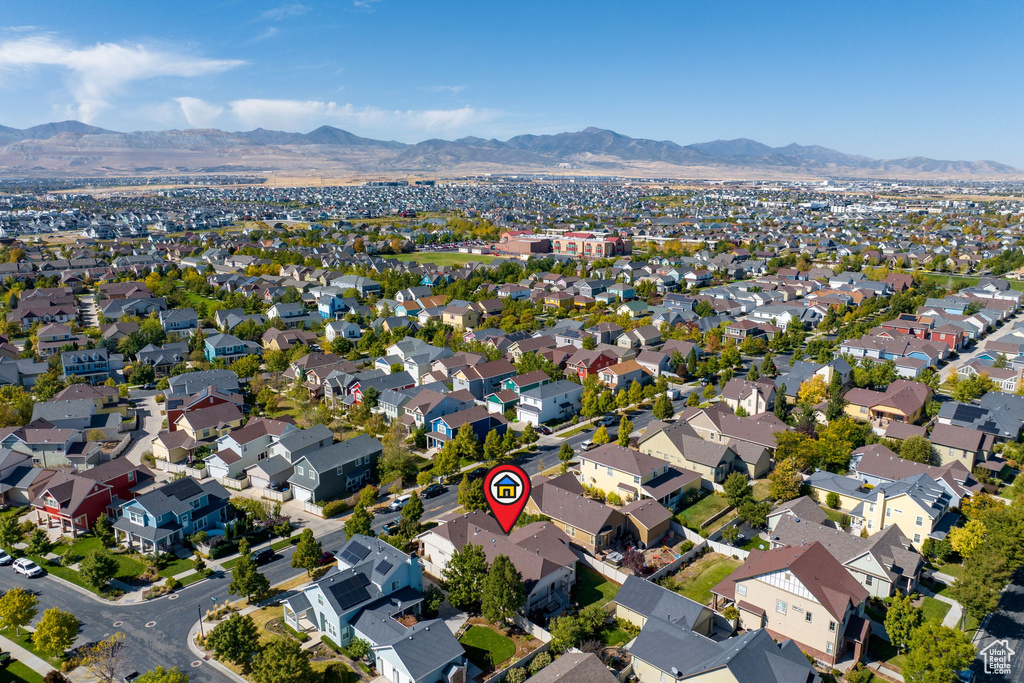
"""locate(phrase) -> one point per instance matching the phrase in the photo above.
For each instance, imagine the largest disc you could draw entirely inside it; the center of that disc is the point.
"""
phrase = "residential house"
(481, 380)
(634, 475)
(163, 358)
(93, 365)
(902, 401)
(445, 427)
(229, 348)
(336, 471)
(679, 444)
(179, 320)
(641, 602)
(802, 593)
(164, 517)
(243, 448)
(210, 422)
(753, 397)
(622, 375)
(548, 402)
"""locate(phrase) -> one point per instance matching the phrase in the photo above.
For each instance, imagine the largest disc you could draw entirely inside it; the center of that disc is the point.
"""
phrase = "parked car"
(544, 429)
(478, 473)
(326, 558)
(263, 555)
(432, 491)
(5, 559)
(399, 503)
(587, 445)
(606, 421)
(391, 528)
(27, 567)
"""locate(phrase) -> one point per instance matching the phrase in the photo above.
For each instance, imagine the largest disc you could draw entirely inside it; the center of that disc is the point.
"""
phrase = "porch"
(64, 525)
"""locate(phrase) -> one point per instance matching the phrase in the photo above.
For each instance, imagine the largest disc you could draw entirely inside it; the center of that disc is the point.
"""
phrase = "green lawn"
(612, 635)
(761, 489)
(954, 570)
(757, 543)
(487, 648)
(177, 566)
(936, 587)
(593, 589)
(441, 258)
(18, 672)
(128, 566)
(835, 515)
(701, 511)
(25, 640)
(698, 587)
(934, 609)
(884, 651)
(285, 542)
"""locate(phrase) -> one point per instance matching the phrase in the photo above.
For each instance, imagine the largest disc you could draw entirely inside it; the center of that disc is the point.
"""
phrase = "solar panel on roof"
(351, 591)
(355, 552)
(383, 567)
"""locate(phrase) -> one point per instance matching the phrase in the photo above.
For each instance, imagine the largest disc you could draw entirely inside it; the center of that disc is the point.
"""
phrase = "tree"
(235, 639)
(471, 494)
(358, 648)
(162, 675)
(246, 579)
(730, 534)
(968, 538)
(601, 436)
(978, 589)
(917, 448)
(107, 658)
(625, 429)
(38, 543)
(529, 434)
(104, 531)
(361, 522)
(142, 374)
(446, 462)
(784, 481)
(11, 532)
(662, 409)
(836, 402)
(780, 403)
(503, 591)
(247, 367)
(307, 552)
(565, 452)
(755, 513)
(55, 676)
(17, 609)
(282, 661)
(56, 632)
(636, 393)
(813, 391)
(936, 654)
(832, 500)
(98, 568)
(709, 392)
(901, 619)
(411, 514)
(464, 576)
(590, 342)
(276, 361)
(492, 447)
(736, 488)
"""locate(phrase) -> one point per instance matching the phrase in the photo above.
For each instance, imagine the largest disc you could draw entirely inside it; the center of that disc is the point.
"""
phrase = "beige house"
(679, 444)
(173, 446)
(633, 475)
(802, 593)
(460, 317)
(717, 423)
(590, 524)
(107, 399)
(753, 397)
(960, 444)
(639, 601)
(209, 423)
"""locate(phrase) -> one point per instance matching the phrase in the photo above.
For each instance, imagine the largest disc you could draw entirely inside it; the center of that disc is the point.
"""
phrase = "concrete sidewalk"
(25, 657)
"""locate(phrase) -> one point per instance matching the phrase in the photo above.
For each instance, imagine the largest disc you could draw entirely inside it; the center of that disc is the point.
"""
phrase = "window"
(829, 647)
(917, 538)
(888, 512)
(320, 598)
(832, 626)
(135, 518)
(807, 617)
(871, 507)
(394, 585)
(869, 580)
(609, 471)
(195, 503)
(780, 607)
(870, 524)
(300, 471)
(570, 531)
(741, 589)
(636, 480)
(919, 521)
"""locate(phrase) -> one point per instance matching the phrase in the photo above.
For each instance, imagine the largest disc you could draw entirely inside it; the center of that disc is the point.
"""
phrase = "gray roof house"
(639, 601)
(336, 470)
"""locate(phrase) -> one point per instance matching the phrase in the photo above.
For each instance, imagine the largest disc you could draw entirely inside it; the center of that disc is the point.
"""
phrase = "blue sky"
(883, 79)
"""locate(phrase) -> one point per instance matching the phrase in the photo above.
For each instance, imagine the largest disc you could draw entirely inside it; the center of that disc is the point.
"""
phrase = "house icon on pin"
(507, 488)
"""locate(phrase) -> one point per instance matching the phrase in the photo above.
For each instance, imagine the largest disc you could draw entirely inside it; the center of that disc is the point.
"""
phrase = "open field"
(443, 258)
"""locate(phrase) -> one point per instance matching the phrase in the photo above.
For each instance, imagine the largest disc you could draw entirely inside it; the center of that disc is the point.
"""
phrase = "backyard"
(487, 648)
(593, 589)
(700, 512)
(696, 580)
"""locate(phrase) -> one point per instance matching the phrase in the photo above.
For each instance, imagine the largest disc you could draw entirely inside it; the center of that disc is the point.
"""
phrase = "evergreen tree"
(662, 409)
(360, 522)
(503, 591)
(308, 552)
(464, 576)
(625, 429)
(780, 403)
(245, 576)
(412, 512)
(492, 447)
(471, 494)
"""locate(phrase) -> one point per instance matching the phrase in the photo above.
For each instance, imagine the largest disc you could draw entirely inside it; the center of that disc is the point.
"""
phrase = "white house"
(549, 402)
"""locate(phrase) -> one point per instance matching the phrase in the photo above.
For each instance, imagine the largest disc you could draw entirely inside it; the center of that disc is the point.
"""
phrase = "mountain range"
(74, 148)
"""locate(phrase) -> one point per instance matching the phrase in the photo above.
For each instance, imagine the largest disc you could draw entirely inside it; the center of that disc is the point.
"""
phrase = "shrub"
(516, 675)
(172, 584)
(330, 643)
(832, 500)
(539, 662)
(685, 547)
(730, 612)
(332, 508)
(301, 637)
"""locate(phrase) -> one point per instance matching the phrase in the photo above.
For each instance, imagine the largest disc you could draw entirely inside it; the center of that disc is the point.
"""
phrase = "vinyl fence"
(601, 567)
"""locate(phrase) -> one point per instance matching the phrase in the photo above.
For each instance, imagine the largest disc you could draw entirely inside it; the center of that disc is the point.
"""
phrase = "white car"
(27, 567)
(5, 558)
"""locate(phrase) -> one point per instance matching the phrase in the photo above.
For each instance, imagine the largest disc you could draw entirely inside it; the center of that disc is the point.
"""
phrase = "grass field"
(884, 650)
(701, 511)
(835, 515)
(593, 589)
(756, 543)
(177, 566)
(954, 570)
(934, 609)
(487, 648)
(128, 567)
(612, 635)
(25, 640)
(697, 580)
(443, 258)
(18, 672)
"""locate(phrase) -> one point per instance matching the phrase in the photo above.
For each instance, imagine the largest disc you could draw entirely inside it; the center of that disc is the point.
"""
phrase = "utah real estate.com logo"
(997, 657)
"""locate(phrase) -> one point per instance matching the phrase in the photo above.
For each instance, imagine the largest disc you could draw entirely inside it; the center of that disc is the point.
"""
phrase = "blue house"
(157, 520)
(330, 306)
(90, 364)
(444, 428)
(374, 586)
(230, 348)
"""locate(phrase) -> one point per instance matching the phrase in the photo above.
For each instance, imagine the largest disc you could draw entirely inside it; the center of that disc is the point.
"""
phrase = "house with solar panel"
(374, 593)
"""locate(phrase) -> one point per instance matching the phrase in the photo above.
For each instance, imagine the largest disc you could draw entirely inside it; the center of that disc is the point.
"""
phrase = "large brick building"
(590, 245)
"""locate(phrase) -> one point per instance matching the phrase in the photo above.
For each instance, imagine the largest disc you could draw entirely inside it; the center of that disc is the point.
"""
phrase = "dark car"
(544, 429)
(391, 528)
(432, 490)
(326, 558)
(478, 473)
(263, 555)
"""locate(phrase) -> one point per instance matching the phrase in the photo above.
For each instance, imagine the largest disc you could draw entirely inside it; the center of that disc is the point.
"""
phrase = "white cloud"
(198, 113)
(100, 70)
(299, 115)
(269, 33)
(288, 9)
(365, 5)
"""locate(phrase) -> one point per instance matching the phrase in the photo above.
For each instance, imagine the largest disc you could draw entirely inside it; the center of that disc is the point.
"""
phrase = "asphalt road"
(157, 630)
(1008, 624)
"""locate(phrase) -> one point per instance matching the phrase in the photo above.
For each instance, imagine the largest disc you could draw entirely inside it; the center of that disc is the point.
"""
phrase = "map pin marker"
(506, 488)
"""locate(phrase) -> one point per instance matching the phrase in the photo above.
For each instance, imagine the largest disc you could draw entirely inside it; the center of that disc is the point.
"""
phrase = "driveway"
(150, 420)
(89, 311)
(964, 358)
